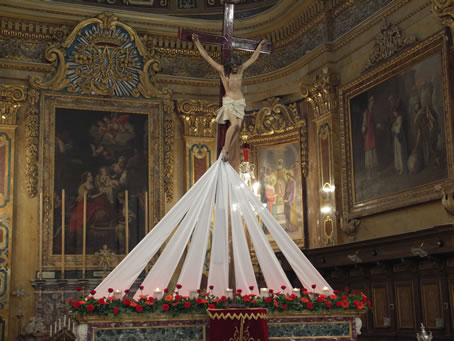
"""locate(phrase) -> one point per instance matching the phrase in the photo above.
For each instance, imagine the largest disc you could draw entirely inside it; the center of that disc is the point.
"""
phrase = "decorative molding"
(304, 146)
(198, 117)
(12, 97)
(444, 10)
(32, 30)
(387, 43)
(169, 149)
(273, 118)
(103, 56)
(31, 144)
(322, 94)
(350, 228)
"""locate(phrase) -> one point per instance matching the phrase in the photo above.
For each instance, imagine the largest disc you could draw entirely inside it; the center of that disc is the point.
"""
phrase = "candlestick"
(84, 234)
(264, 292)
(126, 223)
(62, 234)
(157, 293)
(40, 251)
(192, 293)
(118, 294)
(64, 321)
(228, 293)
(50, 330)
(297, 292)
(146, 212)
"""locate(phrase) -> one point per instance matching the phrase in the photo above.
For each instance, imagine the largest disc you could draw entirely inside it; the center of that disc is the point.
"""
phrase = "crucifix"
(228, 42)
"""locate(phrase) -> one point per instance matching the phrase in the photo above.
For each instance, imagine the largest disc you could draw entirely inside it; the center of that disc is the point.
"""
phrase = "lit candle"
(64, 321)
(192, 293)
(50, 330)
(62, 234)
(157, 293)
(264, 292)
(297, 292)
(126, 223)
(118, 294)
(325, 290)
(84, 233)
(229, 293)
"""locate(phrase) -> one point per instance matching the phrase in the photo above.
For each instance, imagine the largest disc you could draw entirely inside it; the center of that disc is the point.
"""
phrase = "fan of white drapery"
(218, 192)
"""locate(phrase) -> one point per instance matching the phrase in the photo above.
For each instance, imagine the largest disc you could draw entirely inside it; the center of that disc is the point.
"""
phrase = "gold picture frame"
(151, 113)
(395, 131)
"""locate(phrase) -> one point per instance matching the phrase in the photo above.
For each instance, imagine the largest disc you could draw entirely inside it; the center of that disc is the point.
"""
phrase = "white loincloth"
(234, 106)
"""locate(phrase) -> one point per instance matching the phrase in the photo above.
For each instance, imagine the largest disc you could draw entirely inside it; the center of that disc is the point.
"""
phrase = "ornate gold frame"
(49, 102)
(437, 44)
(291, 136)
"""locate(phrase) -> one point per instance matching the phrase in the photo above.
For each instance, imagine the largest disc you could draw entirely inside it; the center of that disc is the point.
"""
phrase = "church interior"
(347, 141)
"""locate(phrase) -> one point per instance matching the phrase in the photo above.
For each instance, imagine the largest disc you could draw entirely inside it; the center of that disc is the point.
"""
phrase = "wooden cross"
(228, 43)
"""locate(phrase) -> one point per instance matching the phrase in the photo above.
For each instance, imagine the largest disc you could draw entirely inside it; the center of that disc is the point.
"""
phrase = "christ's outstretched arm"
(218, 67)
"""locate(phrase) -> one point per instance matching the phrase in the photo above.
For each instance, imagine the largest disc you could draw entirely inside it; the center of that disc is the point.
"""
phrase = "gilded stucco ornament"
(387, 43)
(272, 118)
(322, 93)
(103, 56)
(444, 10)
(350, 228)
(169, 159)
(31, 144)
(198, 117)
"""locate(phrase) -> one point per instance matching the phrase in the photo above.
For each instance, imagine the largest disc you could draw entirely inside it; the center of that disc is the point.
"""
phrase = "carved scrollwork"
(169, 134)
(322, 94)
(444, 10)
(12, 97)
(31, 144)
(103, 56)
(271, 119)
(387, 43)
(198, 117)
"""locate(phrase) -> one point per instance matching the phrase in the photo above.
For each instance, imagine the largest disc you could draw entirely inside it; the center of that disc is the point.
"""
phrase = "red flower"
(141, 287)
(364, 299)
(151, 298)
(284, 306)
(198, 300)
(369, 303)
(346, 289)
(319, 299)
(251, 287)
(76, 304)
(344, 297)
(271, 291)
(79, 289)
(246, 298)
(110, 290)
(239, 291)
(127, 301)
(179, 286)
(101, 301)
(90, 307)
(339, 303)
(199, 291)
(267, 299)
(313, 286)
(211, 287)
(70, 302)
(93, 292)
(127, 291)
(187, 305)
(336, 292)
(177, 297)
(166, 290)
(165, 307)
(223, 298)
(283, 287)
(116, 310)
(211, 306)
(328, 304)
(139, 308)
(310, 306)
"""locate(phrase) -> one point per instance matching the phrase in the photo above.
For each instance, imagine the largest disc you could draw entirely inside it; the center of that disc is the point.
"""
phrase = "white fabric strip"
(305, 271)
(124, 275)
(218, 274)
(162, 271)
(272, 271)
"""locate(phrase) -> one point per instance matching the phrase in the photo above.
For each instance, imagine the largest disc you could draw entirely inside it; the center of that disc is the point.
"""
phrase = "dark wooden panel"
(432, 308)
(406, 315)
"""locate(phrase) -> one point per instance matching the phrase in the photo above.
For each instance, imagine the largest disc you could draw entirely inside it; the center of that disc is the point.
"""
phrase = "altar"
(281, 327)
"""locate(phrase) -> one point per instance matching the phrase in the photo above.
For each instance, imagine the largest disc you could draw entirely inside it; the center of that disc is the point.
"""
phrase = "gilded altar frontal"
(108, 118)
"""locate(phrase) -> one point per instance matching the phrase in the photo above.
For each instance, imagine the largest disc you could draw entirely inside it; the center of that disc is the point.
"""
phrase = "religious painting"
(397, 124)
(100, 159)
(280, 183)
(103, 179)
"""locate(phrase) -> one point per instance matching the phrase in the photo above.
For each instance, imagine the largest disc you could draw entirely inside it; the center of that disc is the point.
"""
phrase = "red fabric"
(77, 217)
(228, 324)
(369, 134)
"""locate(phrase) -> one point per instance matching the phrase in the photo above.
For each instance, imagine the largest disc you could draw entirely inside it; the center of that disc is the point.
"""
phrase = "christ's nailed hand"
(195, 37)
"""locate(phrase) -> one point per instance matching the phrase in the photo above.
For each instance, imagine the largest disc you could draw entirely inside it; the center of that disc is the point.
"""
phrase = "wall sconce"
(355, 258)
(419, 251)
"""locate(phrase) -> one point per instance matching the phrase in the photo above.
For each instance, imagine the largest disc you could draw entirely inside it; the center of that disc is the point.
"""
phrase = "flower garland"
(176, 304)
